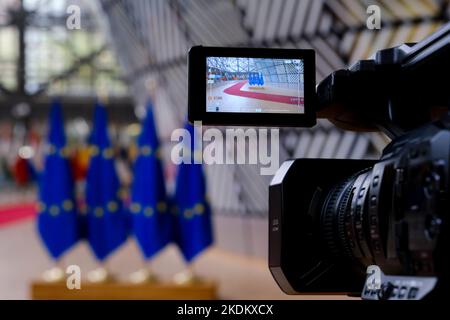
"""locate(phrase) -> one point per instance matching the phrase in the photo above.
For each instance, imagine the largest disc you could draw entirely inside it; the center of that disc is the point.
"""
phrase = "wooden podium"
(41, 290)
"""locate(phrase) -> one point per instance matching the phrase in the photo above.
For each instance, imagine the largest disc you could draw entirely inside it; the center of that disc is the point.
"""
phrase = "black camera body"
(338, 225)
(325, 230)
(331, 220)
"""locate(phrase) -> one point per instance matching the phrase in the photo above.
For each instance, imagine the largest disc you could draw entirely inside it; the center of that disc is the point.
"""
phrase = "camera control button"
(373, 201)
(375, 181)
(402, 292)
(412, 294)
(361, 193)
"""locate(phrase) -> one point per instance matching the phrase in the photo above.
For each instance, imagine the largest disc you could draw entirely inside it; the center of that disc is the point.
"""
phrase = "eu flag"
(151, 221)
(57, 219)
(106, 219)
(194, 230)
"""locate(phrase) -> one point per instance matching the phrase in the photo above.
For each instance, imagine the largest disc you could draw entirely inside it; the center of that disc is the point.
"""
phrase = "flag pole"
(103, 95)
(146, 273)
(103, 200)
(101, 274)
(151, 85)
(57, 216)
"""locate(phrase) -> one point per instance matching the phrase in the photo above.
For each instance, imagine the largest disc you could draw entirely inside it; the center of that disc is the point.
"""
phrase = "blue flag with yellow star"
(57, 219)
(107, 225)
(194, 230)
(151, 220)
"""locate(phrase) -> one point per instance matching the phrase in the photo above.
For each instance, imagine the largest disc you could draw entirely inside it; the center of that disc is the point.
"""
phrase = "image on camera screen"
(254, 85)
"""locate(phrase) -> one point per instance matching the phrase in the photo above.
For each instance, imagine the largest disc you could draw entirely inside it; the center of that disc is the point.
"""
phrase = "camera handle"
(392, 91)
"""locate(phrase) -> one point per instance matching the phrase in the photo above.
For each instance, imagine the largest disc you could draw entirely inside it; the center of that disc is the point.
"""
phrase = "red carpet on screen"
(235, 90)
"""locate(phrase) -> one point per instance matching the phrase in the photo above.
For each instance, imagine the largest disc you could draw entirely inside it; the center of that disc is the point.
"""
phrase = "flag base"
(55, 274)
(186, 277)
(100, 275)
(143, 275)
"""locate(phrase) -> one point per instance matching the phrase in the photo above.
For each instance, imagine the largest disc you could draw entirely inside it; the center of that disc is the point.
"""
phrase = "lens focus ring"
(334, 215)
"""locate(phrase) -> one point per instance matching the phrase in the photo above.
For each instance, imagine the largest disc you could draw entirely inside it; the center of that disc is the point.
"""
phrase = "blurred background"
(119, 48)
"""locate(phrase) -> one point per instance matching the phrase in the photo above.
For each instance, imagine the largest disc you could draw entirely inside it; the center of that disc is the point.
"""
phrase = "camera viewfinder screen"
(254, 85)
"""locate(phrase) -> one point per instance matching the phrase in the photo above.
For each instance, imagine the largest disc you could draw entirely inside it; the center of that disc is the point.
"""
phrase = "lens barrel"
(344, 218)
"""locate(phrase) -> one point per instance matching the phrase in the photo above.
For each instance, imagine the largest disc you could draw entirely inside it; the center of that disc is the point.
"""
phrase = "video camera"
(338, 225)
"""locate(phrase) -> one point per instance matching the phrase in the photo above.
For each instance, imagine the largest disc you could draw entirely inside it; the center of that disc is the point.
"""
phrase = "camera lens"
(344, 218)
